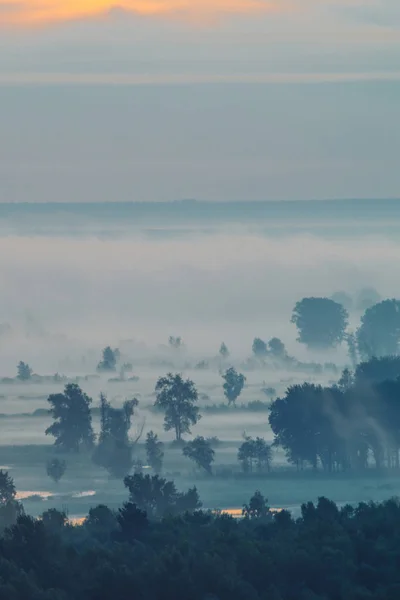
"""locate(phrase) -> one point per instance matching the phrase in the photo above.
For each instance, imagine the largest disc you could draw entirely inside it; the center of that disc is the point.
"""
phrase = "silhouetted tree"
(54, 520)
(154, 451)
(72, 425)
(378, 369)
(175, 342)
(257, 508)
(101, 522)
(133, 522)
(259, 348)
(56, 468)
(346, 380)
(255, 451)
(233, 386)
(24, 372)
(379, 333)
(114, 450)
(200, 451)
(277, 348)
(223, 351)
(321, 322)
(177, 398)
(159, 497)
(7, 488)
(352, 349)
(10, 508)
(109, 360)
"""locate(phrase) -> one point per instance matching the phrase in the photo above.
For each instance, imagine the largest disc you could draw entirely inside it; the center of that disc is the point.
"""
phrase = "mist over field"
(113, 277)
(67, 296)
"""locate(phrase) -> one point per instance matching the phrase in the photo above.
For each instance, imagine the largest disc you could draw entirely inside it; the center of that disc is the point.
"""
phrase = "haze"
(228, 100)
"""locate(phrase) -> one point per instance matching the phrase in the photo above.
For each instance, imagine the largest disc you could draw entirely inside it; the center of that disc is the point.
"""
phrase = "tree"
(10, 509)
(257, 508)
(366, 298)
(7, 488)
(159, 497)
(277, 348)
(24, 371)
(101, 522)
(255, 450)
(56, 469)
(109, 360)
(177, 398)
(114, 450)
(346, 380)
(303, 424)
(259, 348)
(54, 520)
(379, 333)
(223, 351)
(351, 341)
(233, 386)
(72, 425)
(175, 342)
(321, 322)
(154, 451)
(132, 522)
(376, 370)
(200, 451)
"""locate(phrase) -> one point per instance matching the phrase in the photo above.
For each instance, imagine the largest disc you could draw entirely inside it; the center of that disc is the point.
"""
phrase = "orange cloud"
(42, 12)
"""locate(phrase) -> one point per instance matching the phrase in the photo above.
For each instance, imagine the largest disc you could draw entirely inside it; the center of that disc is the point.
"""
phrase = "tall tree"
(159, 497)
(277, 348)
(72, 425)
(109, 360)
(200, 451)
(7, 488)
(223, 351)
(255, 451)
(178, 399)
(259, 348)
(114, 450)
(24, 372)
(321, 322)
(379, 333)
(154, 451)
(56, 468)
(234, 384)
(257, 508)
(175, 342)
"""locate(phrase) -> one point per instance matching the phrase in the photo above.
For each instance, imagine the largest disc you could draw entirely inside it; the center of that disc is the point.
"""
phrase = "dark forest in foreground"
(347, 554)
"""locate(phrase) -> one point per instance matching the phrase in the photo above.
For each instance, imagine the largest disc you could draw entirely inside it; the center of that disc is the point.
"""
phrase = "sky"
(144, 100)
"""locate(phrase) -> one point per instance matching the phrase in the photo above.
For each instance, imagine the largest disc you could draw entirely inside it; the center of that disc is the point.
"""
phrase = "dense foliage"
(72, 427)
(329, 553)
(177, 397)
(321, 322)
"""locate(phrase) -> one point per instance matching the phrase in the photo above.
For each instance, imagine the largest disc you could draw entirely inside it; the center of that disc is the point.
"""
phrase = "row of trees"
(344, 426)
(323, 323)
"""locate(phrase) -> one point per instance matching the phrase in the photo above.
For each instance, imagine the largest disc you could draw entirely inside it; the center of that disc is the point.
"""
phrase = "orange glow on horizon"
(32, 13)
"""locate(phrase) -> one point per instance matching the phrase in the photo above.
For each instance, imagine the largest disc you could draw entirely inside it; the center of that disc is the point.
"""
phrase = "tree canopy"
(379, 332)
(177, 397)
(72, 425)
(321, 322)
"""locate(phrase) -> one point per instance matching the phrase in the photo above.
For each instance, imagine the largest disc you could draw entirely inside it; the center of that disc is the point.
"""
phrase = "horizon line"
(131, 79)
